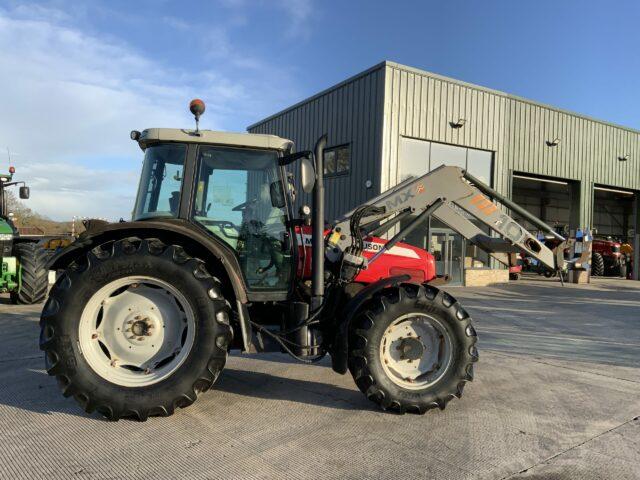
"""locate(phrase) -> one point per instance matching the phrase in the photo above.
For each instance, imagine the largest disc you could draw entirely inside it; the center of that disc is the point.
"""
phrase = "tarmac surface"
(556, 395)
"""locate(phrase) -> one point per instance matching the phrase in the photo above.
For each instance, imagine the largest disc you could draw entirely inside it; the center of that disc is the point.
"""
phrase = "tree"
(25, 217)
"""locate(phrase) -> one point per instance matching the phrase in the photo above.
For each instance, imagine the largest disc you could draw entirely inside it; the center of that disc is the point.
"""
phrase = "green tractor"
(24, 274)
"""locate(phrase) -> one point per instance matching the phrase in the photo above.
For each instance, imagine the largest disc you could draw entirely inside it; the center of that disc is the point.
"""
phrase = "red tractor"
(608, 259)
(145, 313)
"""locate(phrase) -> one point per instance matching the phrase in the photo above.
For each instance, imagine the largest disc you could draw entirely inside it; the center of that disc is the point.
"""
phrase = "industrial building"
(391, 121)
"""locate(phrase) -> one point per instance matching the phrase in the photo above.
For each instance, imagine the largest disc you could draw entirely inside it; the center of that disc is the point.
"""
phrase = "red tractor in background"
(609, 259)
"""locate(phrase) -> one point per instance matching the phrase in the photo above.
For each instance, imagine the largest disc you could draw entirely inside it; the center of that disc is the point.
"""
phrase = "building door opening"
(447, 248)
(614, 224)
(555, 201)
(613, 212)
(417, 157)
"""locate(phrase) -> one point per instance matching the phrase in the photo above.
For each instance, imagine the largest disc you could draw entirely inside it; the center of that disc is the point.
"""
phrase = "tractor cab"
(232, 185)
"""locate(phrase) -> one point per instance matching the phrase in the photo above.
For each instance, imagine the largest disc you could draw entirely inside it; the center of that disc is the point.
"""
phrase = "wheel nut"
(214, 293)
(147, 371)
(94, 336)
(114, 363)
(222, 317)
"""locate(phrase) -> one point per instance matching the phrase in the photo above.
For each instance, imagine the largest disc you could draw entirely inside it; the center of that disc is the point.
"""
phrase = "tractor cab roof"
(247, 140)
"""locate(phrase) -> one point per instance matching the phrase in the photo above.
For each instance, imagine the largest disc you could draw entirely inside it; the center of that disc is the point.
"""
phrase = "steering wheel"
(223, 225)
(244, 205)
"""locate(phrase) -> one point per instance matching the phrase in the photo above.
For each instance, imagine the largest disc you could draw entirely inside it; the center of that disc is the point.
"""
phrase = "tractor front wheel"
(136, 328)
(412, 348)
(34, 276)
(597, 265)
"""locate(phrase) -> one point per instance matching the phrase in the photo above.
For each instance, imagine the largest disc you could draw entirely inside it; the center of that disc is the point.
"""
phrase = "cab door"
(239, 199)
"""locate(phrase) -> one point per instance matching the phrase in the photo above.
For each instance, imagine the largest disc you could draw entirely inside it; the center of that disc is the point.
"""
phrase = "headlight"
(6, 237)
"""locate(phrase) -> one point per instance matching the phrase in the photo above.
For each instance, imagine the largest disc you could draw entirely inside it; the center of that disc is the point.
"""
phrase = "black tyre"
(34, 276)
(514, 276)
(136, 328)
(597, 265)
(391, 354)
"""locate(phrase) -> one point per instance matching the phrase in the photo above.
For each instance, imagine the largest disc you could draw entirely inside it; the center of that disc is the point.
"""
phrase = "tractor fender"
(339, 353)
(185, 234)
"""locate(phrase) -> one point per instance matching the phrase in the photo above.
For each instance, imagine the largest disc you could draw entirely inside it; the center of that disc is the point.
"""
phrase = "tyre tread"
(34, 274)
(427, 298)
(57, 364)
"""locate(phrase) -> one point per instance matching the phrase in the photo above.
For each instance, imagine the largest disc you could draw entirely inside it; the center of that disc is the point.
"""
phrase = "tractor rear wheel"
(34, 276)
(412, 348)
(597, 265)
(135, 329)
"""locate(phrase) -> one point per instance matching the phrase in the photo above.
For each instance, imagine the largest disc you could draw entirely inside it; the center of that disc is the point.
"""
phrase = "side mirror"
(24, 193)
(277, 195)
(307, 174)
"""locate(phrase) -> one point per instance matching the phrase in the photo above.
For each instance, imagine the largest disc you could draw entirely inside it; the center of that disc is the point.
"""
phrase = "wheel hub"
(136, 331)
(410, 349)
(141, 327)
(416, 350)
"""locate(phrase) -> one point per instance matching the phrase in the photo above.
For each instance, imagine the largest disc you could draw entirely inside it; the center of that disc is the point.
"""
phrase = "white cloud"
(298, 12)
(68, 100)
(81, 191)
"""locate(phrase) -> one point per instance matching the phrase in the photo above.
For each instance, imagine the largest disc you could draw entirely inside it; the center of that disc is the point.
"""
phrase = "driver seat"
(174, 203)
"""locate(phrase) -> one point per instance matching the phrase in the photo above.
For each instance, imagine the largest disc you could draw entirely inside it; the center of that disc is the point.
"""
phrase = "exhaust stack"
(317, 238)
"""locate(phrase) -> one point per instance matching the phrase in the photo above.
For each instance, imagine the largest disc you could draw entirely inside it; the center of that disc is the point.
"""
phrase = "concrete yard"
(556, 395)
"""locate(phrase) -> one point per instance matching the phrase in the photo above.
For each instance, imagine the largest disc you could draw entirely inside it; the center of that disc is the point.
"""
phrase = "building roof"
(425, 73)
(153, 135)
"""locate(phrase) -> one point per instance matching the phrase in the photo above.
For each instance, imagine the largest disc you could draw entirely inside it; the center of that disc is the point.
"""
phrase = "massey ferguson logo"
(375, 247)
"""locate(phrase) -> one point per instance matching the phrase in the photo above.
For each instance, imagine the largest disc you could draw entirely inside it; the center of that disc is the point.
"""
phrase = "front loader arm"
(454, 197)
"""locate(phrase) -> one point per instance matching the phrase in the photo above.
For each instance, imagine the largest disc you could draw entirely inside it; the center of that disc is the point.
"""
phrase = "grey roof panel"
(152, 135)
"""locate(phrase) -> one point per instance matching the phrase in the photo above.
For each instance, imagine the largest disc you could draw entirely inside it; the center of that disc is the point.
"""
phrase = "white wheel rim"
(136, 331)
(416, 351)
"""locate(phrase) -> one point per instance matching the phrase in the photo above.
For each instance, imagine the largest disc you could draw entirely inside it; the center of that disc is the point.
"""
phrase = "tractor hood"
(6, 241)
(5, 228)
(250, 140)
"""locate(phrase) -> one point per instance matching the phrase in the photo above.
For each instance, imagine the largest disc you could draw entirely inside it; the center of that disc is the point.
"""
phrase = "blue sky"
(78, 76)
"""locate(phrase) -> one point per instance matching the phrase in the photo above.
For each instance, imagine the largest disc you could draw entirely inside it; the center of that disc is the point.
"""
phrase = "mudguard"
(185, 233)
